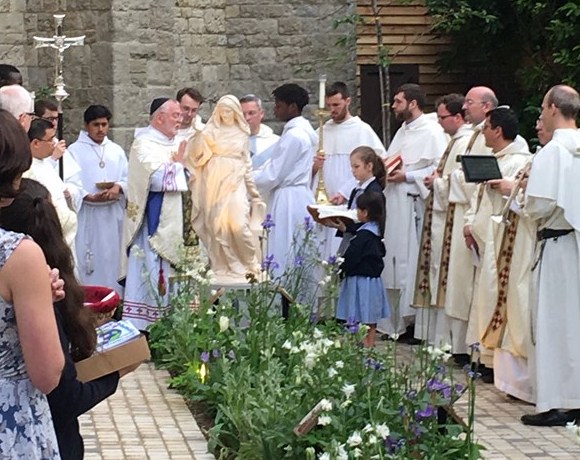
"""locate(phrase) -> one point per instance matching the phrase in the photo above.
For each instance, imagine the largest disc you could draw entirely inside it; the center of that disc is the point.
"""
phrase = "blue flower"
(268, 222)
(216, 353)
(352, 325)
(308, 225)
(471, 371)
(299, 261)
(331, 260)
(204, 356)
(374, 364)
(394, 443)
(269, 263)
(428, 412)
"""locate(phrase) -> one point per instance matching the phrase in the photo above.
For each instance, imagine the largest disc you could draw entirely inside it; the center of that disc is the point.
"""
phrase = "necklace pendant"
(101, 164)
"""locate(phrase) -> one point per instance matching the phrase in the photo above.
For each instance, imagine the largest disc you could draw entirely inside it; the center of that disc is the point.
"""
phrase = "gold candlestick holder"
(321, 197)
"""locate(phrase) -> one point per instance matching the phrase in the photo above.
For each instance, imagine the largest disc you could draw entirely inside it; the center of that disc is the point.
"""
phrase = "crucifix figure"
(60, 43)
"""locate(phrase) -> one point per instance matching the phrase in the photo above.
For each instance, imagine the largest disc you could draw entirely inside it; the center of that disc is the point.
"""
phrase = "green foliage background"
(521, 46)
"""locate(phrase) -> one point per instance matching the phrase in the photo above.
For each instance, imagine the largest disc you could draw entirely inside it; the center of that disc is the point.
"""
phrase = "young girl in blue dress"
(362, 295)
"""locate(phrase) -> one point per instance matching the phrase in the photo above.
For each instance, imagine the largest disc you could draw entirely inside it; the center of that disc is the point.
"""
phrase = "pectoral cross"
(60, 43)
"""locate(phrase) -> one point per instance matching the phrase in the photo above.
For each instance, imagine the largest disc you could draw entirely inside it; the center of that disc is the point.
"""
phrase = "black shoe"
(486, 374)
(461, 359)
(411, 341)
(552, 417)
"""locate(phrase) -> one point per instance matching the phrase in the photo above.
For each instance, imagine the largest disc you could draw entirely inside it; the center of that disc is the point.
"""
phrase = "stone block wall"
(138, 49)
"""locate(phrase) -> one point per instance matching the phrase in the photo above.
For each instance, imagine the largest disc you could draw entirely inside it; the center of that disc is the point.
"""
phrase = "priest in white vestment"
(485, 235)
(103, 166)
(262, 138)
(420, 141)
(552, 200)
(437, 328)
(285, 177)
(153, 224)
(341, 135)
(42, 137)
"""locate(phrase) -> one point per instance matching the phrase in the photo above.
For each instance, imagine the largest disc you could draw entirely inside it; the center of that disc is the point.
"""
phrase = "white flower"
(346, 403)
(446, 348)
(357, 453)
(321, 283)
(317, 333)
(210, 311)
(309, 360)
(348, 390)
(341, 454)
(325, 405)
(287, 345)
(354, 439)
(224, 322)
(324, 456)
(294, 350)
(571, 427)
(337, 344)
(372, 439)
(383, 431)
(324, 263)
(339, 260)
(368, 428)
(327, 279)
(339, 364)
(324, 420)
(310, 451)
(332, 372)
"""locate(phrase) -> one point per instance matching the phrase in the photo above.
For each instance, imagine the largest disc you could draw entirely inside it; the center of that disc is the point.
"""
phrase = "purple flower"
(216, 353)
(308, 225)
(374, 364)
(331, 260)
(299, 261)
(475, 347)
(204, 356)
(394, 443)
(459, 388)
(412, 394)
(428, 412)
(352, 325)
(268, 222)
(471, 371)
(417, 429)
(269, 263)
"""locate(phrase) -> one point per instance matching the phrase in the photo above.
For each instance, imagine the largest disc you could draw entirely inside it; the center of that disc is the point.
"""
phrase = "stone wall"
(138, 49)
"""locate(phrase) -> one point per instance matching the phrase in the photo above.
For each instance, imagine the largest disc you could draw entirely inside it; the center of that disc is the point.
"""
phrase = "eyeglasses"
(443, 117)
(51, 119)
(51, 140)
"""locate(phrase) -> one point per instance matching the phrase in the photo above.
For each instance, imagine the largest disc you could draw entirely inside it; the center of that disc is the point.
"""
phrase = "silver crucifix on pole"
(60, 43)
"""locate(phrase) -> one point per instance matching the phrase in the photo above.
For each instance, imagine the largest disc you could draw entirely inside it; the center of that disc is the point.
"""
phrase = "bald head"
(16, 100)
(478, 101)
(566, 99)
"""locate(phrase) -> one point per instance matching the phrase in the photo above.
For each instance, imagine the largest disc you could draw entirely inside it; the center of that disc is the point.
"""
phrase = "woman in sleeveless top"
(31, 360)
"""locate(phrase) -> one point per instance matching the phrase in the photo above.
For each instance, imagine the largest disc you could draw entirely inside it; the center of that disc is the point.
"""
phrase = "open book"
(322, 213)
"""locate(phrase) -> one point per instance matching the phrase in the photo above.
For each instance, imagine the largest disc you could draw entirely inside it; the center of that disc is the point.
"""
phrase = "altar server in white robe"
(285, 177)
(437, 327)
(341, 135)
(153, 224)
(103, 166)
(42, 137)
(552, 199)
(500, 316)
(420, 141)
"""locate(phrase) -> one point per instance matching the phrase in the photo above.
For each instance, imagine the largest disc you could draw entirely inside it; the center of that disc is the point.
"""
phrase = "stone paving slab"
(146, 420)
(143, 420)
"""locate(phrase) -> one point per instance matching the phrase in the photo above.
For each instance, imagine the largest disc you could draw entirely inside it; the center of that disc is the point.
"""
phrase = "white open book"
(322, 212)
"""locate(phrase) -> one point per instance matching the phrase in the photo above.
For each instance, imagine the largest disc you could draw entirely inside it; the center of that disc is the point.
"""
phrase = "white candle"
(321, 91)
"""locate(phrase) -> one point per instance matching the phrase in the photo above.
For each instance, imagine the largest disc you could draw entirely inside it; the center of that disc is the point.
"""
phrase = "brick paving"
(146, 420)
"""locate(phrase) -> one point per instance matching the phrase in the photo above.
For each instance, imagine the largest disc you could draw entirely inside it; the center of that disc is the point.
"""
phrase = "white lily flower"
(332, 372)
(372, 439)
(325, 405)
(324, 456)
(339, 364)
(324, 420)
(317, 333)
(354, 439)
(224, 323)
(383, 430)
(348, 390)
(357, 453)
(287, 345)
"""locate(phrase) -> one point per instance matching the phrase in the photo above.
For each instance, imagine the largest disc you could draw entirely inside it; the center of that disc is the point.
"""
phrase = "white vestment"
(340, 139)
(435, 326)
(148, 254)
(552, 200)
(485, 203)
(185, 134)
(98, 240)
(43, 171)
(285, 179)
(420, 144)
(262, 145)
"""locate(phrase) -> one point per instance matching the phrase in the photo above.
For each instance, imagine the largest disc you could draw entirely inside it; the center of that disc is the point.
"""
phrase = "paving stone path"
(146, 420)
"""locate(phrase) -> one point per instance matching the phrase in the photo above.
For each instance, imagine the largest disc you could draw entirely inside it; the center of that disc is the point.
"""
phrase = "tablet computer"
(480, 168)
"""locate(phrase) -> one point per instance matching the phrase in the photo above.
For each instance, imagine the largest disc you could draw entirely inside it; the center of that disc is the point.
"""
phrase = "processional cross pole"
(60, 43)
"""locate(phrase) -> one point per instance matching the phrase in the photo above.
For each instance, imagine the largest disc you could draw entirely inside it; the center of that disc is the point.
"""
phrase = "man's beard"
(340, 116)
(403, 116)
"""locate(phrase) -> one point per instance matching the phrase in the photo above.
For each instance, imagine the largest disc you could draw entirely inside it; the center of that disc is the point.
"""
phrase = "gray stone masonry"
(138, 49)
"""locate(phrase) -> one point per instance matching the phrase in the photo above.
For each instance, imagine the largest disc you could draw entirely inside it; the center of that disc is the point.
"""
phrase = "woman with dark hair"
(31, 359)
(33, 213)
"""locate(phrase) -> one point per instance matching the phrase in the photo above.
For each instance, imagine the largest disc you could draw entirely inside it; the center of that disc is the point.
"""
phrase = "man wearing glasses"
(42, 136)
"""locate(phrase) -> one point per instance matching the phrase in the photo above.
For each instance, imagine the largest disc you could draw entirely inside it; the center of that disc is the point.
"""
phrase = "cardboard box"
(132, 352)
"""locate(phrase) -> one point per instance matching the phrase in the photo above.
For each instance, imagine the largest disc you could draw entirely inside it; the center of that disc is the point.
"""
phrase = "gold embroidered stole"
(447, 234)
(493, 336)
(422, 295)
